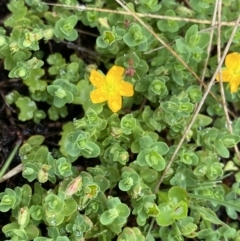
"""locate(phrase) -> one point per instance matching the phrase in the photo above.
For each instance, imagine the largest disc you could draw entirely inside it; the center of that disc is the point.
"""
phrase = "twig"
(71, 45)
(210, 43)
(12, 173)
(10, 158)
(142, 15)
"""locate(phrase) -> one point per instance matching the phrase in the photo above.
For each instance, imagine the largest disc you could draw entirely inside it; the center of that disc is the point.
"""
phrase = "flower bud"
(74, 186)
(48, 34)
(43, 173)
(23, 217)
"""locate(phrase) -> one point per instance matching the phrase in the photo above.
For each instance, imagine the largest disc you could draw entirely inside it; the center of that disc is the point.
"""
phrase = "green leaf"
(63, 167)
(36, 140)
(208, 214)
(64, 28)
(62, 91)
(180, 210)
(158, 87)
(21, 70)
(145, 142)
(220, 202)
(171, 26)
(192, 31)
(91, 150)
(208, 234)
(26, 195)
(177, 194)
(7, 203)
(151, 209)
(42, 239)
(27, 108)
(227, 232)
(131, 234)
(162, 147)
(128, 123)
(108, 216)
(164, 218)
(123, 210)
(201, 121)
(36, 212)
(70, 207)
(221, 149)
(134, 36)
(148, 175)
(230, 140)
(53, 204)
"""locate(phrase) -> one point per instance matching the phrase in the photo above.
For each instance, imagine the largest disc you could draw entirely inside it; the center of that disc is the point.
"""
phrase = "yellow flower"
(110, 88)
(231, 73)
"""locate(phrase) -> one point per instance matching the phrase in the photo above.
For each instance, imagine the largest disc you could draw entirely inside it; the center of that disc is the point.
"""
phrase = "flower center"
(111, 88)
(60, 93)
(236, 71)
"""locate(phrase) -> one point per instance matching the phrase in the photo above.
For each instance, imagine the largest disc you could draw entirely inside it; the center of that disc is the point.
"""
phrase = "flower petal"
(234, 86)
(115, 74)
(126, 89)
(98, 95)
(232, 61)
(234, 83)
(97, 79)
(225, 74)
(115, 102)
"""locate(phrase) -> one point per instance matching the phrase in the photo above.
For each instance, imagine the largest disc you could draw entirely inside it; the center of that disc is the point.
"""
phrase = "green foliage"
(152, 153)
(79, 144)
(62, 91)
(136, 37)
(8, 200)
(169, 25)
(111, 175)
(64, 28)
(109, 39)
(116, 215)
(174, 208)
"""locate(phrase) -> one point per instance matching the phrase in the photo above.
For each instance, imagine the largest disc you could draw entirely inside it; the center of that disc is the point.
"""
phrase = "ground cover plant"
(125, 117)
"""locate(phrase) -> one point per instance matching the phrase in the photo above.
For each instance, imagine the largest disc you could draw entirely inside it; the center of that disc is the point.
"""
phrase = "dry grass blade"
(11, 173)
(142, 15)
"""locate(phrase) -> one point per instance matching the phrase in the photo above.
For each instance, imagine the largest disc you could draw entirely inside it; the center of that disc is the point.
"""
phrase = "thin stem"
(210, 42)
(10, 158)
(12, 173)
(150, 228)
(142, 15)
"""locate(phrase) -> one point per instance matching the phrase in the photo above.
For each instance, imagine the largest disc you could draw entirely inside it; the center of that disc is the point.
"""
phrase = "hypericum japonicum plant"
(128, 170)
